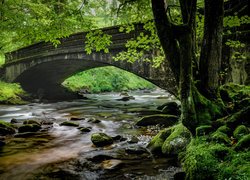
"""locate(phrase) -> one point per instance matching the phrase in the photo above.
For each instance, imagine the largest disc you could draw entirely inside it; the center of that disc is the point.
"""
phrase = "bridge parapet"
(70, 44)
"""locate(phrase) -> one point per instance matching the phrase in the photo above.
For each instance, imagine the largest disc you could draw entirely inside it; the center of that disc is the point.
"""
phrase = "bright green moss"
(240, 131)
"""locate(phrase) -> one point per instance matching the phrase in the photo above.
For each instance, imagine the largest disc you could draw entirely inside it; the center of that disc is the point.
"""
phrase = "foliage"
(96, 41)
(2, 59)
(30, 21)
(10, 93)
(145, 43)
(106, 79)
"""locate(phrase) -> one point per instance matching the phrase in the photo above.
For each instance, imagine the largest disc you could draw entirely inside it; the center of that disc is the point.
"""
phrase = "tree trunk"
(178, 43)
(210, 59)
(165, 31)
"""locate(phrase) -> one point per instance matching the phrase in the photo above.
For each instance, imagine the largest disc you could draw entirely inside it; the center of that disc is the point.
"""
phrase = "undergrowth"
(106, 79)
(10, 93)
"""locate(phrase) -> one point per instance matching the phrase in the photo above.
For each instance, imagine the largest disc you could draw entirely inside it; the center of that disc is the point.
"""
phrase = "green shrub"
(10, 93)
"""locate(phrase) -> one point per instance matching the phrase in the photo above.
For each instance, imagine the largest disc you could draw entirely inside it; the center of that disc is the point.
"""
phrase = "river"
(63, 152)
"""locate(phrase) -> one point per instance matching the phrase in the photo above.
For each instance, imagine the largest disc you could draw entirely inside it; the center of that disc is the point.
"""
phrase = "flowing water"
(63, 152)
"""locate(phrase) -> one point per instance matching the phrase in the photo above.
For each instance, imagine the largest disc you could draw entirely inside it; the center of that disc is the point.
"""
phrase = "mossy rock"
(69, 123)
(203, 130)
(234, 92)
(29, 128)
(177, 141)
(31, 121)
(225, 129)
(240, 131)
(6, 128)
(221, 137)
(162, 119)
(241, 117)
(101, 139)
(85, 129)
(156, 143)
(200, 159)
(170, 108)
(243, 144)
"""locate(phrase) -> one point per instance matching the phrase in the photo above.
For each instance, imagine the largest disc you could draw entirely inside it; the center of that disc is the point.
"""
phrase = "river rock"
(101, 139)
(133, 140)
(162, 119)
(138, 150)
(170, 108)
(68, 123)
(177, 141)
(85, 129)
(6, 128)
(48, 121)
(126, 98)
(76, 118)
(94, 120)
(31, 121)
(29, 128)
(111, 164)
(13, 121)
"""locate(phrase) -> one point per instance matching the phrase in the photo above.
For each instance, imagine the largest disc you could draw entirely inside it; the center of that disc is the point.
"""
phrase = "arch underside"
(44, 79)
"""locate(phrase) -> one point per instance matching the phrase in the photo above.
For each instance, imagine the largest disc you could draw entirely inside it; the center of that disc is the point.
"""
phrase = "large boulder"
(170, 108)
(177, 141)
(161, 119)
(6, 128)
(156, 143)
(101, 139)
(170, 141)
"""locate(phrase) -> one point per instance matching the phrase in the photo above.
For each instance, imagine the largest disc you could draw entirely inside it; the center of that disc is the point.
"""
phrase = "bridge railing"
(73, 42)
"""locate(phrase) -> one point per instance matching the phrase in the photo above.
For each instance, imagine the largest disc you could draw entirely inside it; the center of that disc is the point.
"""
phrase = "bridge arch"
(44, 67)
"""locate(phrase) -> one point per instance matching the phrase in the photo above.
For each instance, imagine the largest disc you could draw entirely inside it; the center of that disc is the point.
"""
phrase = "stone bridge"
(41, 68)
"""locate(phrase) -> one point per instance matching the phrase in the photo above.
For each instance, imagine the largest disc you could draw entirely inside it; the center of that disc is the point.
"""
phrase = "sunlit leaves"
(97, 41)
(234, 21)
(140, 47)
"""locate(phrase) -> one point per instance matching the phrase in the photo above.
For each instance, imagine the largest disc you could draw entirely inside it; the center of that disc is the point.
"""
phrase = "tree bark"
(165, 31)
(210, 59)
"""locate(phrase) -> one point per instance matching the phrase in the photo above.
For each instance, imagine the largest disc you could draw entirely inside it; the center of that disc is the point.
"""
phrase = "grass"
(106, 79)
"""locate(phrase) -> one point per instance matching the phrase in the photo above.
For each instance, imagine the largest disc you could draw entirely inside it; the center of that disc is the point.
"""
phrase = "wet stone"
(76, 118)
(68, 123)
(133, 140)
(13, 121)
(85, 129)
(101, 139)
(31, 121)
(111, 164)
(29, 128)
(94, 120)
